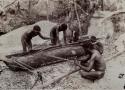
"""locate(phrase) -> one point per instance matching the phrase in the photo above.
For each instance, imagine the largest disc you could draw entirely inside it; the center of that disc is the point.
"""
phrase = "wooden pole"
(47, 8)
(114, 56)
(102, 5)
(75, 7)
(29, 9)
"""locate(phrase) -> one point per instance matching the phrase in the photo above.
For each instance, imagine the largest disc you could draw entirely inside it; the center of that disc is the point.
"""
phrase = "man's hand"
(76, 62)
(58, 44)
(66, 59)
(64, 44)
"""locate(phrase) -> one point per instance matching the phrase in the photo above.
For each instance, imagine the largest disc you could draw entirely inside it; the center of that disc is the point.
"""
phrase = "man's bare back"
(99, 64)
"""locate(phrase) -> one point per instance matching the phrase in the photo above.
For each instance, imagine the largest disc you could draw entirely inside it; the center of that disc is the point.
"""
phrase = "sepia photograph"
(62, 44)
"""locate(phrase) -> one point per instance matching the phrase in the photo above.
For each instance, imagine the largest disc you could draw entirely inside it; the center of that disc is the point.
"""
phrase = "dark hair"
(88, 45)
(37, 28)
(64, 26)
(93, 38)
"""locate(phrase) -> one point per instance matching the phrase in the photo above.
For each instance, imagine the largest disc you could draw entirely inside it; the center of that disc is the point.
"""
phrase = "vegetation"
(77, 13)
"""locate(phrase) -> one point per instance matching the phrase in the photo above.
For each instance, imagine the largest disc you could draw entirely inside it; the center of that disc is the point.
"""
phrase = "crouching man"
(54, 33)
(94, 67)
(27, 37)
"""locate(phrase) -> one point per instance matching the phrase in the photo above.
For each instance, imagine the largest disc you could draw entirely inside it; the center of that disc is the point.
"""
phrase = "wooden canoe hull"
(44, 57)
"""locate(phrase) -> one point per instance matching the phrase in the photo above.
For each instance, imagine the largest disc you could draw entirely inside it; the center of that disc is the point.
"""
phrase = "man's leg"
(76, 36)
(56, 40)
(52, 36)
(29, 46)
(92, 75)
(24, 45)
(69, 36)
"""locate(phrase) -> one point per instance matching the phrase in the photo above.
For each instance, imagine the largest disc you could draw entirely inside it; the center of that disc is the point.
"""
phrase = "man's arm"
(64, 36)
(41, 36)
(57, 33)
(84, 58)
(91, 62)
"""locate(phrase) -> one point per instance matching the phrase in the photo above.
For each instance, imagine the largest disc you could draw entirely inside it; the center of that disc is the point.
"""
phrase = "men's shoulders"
(54, 27)
(95, 52)
(27, 32)
(39, 33)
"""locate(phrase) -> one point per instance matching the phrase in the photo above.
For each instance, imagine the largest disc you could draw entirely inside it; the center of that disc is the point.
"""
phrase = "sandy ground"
(10, 80)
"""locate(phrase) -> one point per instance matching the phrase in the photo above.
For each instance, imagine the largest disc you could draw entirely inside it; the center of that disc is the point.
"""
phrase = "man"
(97, 45)
(75, 30)
(27, 37)
(94, 68)
(54, 33)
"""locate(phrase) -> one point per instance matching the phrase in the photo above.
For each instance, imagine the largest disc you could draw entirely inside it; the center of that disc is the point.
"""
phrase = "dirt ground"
(10, 80)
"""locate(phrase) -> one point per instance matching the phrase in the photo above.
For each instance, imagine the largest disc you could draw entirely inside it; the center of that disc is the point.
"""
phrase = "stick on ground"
(114, 56)
(60, 78)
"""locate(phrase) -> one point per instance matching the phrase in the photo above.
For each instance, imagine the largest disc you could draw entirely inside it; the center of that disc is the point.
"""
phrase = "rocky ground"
(9, 80)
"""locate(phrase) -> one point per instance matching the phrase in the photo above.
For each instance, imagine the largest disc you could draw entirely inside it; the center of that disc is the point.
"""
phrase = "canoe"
(47, 56)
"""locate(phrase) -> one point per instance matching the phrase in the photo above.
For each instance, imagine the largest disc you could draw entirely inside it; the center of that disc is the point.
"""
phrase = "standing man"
(54, 33)
(27, 37)
(95, 66)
